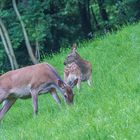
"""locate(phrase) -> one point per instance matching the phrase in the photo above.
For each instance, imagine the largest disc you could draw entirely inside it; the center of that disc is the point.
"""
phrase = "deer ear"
(61, 84)
(74, 83)
(74, 47)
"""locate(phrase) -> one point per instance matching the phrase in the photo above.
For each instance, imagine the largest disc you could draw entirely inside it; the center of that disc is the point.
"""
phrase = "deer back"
(23, 80)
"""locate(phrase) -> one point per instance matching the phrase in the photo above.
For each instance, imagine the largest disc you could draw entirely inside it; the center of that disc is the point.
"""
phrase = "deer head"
(72, 55)
(67, 90)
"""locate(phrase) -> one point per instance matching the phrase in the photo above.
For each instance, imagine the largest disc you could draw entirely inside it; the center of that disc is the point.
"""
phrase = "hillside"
(109, 110)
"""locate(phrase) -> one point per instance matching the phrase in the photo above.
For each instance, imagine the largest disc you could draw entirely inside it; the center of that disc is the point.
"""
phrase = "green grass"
(109, 110)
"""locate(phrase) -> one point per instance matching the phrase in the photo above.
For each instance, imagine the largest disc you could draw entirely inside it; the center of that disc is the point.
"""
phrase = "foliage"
(107, 110)
(56, 24)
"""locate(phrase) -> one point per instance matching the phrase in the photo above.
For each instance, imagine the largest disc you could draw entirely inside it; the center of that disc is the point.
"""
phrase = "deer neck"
(79, 60)
(81, 63)
(55, 79)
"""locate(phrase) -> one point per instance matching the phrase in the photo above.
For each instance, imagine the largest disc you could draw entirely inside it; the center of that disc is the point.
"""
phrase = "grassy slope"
(110, 110)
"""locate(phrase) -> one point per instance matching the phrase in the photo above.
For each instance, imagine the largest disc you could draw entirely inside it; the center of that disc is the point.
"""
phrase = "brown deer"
(72, 72)
(74, 62)
(31, 81)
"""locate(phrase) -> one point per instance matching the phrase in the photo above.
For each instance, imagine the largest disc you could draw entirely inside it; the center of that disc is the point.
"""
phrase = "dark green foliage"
(57, 23)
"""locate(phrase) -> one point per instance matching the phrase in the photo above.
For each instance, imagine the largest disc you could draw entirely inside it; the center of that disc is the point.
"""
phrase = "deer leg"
(79, 84)
(0, 102)
(3, 103)
(65, 77)
(90, 81)
(56, 97)
(35, 102)
(6, 107)
(2, 98)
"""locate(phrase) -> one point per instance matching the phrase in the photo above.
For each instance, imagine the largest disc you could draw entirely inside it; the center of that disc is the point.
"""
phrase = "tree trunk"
(25, 2)
(102, 10)
(85, 17)
(9, 45)
(121, 12)
(37, 52)
(95, 20)
(29, 49)
(103, 14)
(6, 49)
(55, 39)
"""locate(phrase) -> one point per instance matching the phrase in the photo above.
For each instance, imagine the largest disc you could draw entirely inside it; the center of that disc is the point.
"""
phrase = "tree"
(103, 14)
(6, 49)
(28, 45)
(97, 26)
(85, 17)
(8, 46)
(48, 25)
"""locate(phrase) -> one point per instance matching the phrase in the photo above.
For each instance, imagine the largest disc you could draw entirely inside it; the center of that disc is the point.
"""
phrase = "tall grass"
(109, 110)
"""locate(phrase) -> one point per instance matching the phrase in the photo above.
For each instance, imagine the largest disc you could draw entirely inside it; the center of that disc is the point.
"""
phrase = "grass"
(109, 110)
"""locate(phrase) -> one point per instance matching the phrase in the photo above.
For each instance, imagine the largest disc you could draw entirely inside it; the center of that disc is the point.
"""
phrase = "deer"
(72, 72)
(77, 66)
(30, 82)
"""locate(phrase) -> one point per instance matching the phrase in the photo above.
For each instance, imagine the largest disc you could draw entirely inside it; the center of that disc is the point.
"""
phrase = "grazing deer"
(72, 72)
(85, 67)
(31, 81)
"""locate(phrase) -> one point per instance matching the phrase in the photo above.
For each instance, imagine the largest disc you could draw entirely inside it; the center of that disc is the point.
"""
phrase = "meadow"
(109, 110)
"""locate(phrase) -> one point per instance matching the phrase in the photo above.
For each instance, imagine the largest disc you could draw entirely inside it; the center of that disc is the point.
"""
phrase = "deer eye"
(65, 95)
